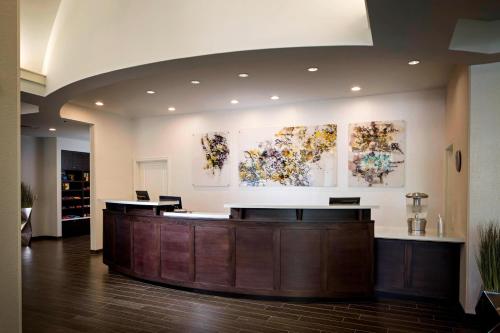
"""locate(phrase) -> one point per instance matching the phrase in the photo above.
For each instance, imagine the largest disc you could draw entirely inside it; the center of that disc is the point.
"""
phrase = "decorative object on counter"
(290, 156)
(488, 262)
(440, 226)
(416, 210)
(211, 159)
(376, 154)
(28, 198)
(458, 160)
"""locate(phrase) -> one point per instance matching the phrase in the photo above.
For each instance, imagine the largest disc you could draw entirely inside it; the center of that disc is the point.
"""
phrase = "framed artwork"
(288, 156)
(377, 154)
(211, 154)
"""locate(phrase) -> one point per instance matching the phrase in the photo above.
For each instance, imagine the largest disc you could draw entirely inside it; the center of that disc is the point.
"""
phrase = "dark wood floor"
(66, 289)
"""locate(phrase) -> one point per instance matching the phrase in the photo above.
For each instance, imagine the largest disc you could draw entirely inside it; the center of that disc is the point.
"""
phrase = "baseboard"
(96, 251)
(37, 238)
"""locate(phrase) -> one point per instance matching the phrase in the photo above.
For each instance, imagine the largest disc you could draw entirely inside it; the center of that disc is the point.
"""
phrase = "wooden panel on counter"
(254, 258)
(213, 253)
(177, 252)
(146, 248)
(301, 260)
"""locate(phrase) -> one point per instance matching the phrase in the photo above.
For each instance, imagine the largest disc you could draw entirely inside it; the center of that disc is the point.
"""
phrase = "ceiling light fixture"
(195, 82)
(234, 101)
(413, 62)
(356, 88)
(99, 103)
(52, 129)
(275, 97)
(243, 75)
(312, 69)
(171, 108)
(151, 92)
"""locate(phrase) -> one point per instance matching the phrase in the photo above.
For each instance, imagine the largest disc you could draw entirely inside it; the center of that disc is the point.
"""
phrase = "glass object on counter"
(416, 212)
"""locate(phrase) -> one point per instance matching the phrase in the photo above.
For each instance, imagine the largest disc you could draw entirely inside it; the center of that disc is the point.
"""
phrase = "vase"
(488, 311)
(26, 231)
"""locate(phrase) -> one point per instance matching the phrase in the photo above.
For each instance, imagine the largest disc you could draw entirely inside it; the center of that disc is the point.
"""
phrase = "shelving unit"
(75, 193)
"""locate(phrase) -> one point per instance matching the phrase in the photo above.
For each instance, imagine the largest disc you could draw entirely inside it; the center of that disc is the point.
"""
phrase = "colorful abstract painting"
(210, 159)
(377, 154)
(290, 156)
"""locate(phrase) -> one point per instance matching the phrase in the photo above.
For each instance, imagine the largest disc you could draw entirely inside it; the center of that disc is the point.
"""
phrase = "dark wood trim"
(95, 252)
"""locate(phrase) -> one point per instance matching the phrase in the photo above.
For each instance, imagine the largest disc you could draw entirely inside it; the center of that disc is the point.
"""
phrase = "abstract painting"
(290, 156)
(377, 154)
(211, 159)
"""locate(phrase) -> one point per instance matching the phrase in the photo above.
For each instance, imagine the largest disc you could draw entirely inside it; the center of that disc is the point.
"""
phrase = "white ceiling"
(36, 21)
(274, 72)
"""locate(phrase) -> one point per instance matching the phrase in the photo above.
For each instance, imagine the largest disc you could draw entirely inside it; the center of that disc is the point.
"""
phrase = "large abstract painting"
(290, 156)
(211, 159)
(377, 154)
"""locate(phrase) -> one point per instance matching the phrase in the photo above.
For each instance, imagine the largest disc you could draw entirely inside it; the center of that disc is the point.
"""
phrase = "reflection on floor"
(66, 289)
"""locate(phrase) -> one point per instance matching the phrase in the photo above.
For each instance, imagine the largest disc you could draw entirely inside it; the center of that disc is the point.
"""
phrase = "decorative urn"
(416, 211)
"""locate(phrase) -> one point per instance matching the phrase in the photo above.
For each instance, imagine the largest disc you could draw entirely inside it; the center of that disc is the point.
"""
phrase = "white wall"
(90, 38)
(457, 136)
(484, 186)
(424, 112)
(111, 166)
(10, 191)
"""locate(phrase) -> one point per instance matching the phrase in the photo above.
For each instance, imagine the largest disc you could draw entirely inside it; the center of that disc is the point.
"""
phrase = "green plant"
(28, 197)
(488, 260)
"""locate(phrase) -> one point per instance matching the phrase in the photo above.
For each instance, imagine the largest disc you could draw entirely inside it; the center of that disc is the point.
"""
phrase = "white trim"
(151, 159)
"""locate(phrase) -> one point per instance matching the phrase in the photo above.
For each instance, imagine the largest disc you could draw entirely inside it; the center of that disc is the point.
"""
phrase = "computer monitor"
(142, 195)
(345, 201)
(172, 198)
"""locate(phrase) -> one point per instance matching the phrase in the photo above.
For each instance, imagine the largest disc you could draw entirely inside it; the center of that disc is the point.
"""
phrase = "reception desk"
(291, 251)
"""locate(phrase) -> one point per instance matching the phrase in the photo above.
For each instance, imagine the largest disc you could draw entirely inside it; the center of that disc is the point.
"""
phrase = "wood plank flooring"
(66, 289)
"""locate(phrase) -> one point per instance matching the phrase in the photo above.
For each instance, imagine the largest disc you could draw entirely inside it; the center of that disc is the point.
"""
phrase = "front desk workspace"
(311, 251)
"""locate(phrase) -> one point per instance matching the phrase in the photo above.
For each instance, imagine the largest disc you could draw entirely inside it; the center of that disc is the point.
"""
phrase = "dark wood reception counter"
(308, 251)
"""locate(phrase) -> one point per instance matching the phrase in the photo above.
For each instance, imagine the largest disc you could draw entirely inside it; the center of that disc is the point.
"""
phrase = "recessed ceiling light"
(356, 88)
(151, 92)
(234, 101)
(195, 82)
(52, 129)
(171, 108)
(312, 69)
(243, 75)
(275, 97)
(99, 103)
(413, 62)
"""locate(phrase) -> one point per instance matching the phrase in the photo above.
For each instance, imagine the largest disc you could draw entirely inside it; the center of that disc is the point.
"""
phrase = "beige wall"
(484, 193)
(10, 219)
(457, 138)
(111, 165)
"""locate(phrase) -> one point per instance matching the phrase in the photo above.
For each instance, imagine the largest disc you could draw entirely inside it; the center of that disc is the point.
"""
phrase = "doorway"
(152, 175)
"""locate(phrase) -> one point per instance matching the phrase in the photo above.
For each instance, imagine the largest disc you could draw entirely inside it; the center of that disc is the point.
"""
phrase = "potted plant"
(28, 198)
(488, 261)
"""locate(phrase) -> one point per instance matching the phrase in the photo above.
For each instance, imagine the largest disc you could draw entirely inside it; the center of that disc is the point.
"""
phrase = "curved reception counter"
(264, 250)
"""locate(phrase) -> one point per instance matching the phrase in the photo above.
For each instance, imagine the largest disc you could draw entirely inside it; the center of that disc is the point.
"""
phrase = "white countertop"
(143, 203)
(297, 206)
(402, 234)
(197, 215)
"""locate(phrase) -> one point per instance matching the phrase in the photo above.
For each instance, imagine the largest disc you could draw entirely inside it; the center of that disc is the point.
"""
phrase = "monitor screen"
(142, 195)
(345, 201)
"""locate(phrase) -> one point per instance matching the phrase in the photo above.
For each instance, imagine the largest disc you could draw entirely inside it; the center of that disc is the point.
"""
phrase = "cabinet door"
(177, 252)
(435, 269)
(301, 260)
(390, 267)
(146, 249)
(123, 242)
(213, 247)
(85, 161)
(108, 244)
(350, 259)
(255, 258)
